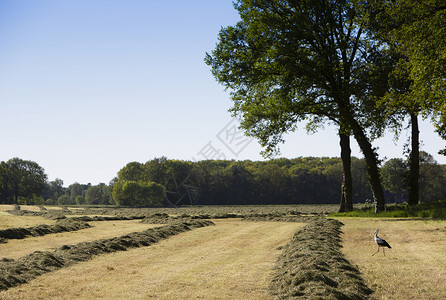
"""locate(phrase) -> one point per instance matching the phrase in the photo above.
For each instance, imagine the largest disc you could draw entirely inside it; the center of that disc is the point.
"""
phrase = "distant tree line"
(304, 180)
(25, 182)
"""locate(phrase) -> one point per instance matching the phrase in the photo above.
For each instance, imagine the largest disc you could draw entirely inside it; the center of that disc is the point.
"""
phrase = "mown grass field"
(234, 259)
(99, 230)
(415, 267)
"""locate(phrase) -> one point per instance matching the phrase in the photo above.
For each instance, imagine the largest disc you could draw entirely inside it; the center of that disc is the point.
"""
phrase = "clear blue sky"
(87, 86)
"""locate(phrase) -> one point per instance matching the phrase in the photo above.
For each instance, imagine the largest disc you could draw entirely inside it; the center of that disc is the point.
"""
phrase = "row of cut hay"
(106, 218)
(215, 211)
(163, 218)
(26, 268)
(187, 212)
(312, 266)
(40, 230)
(277, 218)
(48, 214)
(61, 214)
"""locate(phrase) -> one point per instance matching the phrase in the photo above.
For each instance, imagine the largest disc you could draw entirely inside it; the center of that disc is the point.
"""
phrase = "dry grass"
(10, 221)
(415, 267)
(232, 260)
(104, 229)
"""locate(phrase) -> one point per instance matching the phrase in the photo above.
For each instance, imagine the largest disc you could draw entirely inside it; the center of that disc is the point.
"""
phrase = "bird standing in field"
(381, 243)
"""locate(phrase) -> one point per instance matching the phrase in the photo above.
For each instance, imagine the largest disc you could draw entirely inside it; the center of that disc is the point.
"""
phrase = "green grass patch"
(431, 210)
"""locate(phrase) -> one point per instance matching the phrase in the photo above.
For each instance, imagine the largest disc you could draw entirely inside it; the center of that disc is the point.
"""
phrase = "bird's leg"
(376, 251)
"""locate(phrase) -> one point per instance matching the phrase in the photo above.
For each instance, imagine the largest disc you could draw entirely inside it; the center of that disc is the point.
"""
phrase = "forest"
(162, 182)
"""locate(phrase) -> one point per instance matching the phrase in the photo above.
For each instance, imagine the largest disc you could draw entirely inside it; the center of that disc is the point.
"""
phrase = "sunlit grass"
(232, 260)
(415, 267)
(10, 221)
(99, 230)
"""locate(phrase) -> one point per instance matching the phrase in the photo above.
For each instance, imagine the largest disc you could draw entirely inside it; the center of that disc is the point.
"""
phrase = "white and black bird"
(381, 243)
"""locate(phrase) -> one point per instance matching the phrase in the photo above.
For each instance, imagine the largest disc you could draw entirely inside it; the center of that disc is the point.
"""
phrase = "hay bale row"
(26, 268)
(106, 218)
(48, 214)
(277, 218)
(164, 218)
(312, 266)
(40, 230)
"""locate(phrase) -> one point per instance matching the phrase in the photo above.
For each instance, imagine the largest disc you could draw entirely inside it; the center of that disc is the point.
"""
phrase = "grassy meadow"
(415, 267)
(234, 259)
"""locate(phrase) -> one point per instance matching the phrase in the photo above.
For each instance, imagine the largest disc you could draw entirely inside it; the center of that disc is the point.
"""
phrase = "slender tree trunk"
(414, 162)
(346, 186)
(371, 161)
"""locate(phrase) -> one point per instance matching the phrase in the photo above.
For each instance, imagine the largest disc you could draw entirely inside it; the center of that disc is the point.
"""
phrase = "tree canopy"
(21, 178)
(288, 61)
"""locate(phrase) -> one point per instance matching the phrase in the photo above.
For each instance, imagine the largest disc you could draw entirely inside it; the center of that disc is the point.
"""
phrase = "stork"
(381, 243)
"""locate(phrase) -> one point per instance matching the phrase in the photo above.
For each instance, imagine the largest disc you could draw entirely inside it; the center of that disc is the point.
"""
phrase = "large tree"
(415, 31)
(287, 61)
(22, 178)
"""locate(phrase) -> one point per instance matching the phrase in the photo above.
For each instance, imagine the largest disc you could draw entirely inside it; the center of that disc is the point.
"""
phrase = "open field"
(11, 221)
(4, 207)
(99, 230)
(232, 260)
(415, 267)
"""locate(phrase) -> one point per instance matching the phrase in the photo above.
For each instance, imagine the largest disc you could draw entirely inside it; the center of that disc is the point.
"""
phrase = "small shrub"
(439, 213)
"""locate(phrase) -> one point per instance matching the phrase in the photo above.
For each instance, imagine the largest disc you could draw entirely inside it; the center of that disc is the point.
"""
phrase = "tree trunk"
(414, 162)
(346, 186)
(371, 161)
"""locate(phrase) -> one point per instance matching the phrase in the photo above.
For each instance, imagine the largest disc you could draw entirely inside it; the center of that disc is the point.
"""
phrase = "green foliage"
(133, 171)
(79, 200)
(134, 193)
(53, 189)
(415, 30)
(50, 201)
(21, 178)
(76, 189)
(64, 200)
(394, 173)
(433, 210)
(432, 179)
(99, 194)
(289, 61)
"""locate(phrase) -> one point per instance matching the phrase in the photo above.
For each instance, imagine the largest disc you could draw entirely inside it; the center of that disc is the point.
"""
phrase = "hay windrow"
(48, 214)
(26, 268)
(106, 218)
(277, 217)
(312, 266)
(64, 225)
